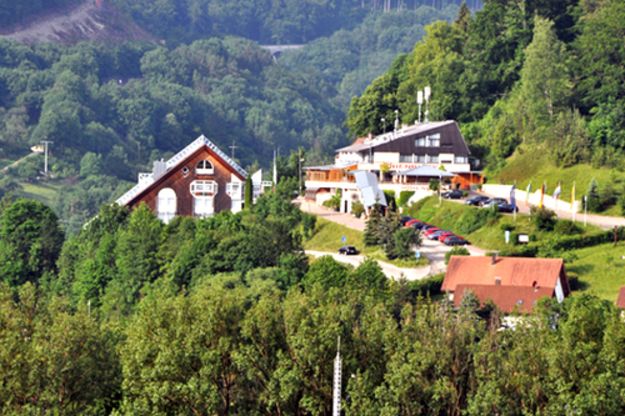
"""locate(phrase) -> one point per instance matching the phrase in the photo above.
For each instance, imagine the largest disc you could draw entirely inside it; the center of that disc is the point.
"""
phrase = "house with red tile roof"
(511, 283)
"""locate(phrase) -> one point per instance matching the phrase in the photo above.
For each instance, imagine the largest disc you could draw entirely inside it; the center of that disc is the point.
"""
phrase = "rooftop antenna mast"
(46, 146)
(233, 148)
(420, 102)
(427, 92)
(336, 393)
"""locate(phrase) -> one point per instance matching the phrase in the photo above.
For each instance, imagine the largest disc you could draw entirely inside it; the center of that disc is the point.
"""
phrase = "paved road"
(433, 250)
(17, 162)
(414, 273)
(602, 221)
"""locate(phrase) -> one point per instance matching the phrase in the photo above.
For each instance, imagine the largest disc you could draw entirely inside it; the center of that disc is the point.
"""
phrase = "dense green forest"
(548, 74)
(350, 59)
(112, 109)
(266, 21)
(17, 12)
(225, 316)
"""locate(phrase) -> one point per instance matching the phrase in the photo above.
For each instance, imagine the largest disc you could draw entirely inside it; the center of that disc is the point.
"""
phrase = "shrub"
(567, 227)
(434, 184)
(404, 197)
(335, 201)
(403, 241)
(456, 251)
(426, 287)
(474, 219)
(358, 209)
(390, 200)
(544, 219)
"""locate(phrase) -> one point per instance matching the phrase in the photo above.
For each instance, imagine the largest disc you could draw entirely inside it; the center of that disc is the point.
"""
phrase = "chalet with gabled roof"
(405, 159)
(199, 181)
(511, 283)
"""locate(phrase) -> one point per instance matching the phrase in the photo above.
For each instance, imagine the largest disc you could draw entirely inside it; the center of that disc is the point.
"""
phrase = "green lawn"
(328, 236)
(600, 269)
(451, 215)
(535, 165)
(44, 192)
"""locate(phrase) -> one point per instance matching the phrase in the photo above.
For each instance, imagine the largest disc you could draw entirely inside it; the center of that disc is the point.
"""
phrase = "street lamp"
(383, 121)
(420, 102)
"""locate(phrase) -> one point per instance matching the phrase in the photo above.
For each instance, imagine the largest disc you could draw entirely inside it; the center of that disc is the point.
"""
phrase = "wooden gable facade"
(199, 181)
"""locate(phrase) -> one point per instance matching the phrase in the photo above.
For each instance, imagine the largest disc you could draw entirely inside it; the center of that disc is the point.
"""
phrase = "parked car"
(444, 235)
(348, 250)
(507, 208)
(435, 235)
(412, 222)
(494, 201)
(476, 200)
(454, 240)
(455, 194)
(405, 219)
(426, 227)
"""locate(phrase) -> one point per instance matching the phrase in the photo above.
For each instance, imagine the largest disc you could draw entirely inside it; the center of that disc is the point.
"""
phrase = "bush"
(390, 200)
(456, 251)
(404, 197)
(335, 201)
(567, 227)
(403, 241)
(474, 219)
(427, 287)
(434, 184)
(544, 219)
(358, 209)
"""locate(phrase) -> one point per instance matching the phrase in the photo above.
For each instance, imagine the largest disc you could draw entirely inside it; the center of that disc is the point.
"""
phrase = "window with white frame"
(434, 140)
(433, 159)
(420, 142)
(406, 158)
(204, 188)
(233, 189)
(421, 159)
(462, 159)
(204, 167)
(166, 205)
(203, 206)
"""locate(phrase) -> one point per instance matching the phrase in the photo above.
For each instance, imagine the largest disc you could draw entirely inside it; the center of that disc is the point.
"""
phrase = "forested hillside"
(547, 76)
(266, 21)
(14, 12)
(225, 316)
(350, 59)
(110, 111)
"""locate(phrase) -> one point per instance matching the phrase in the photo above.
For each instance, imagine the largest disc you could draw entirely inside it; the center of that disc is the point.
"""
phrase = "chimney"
(497, 281)
(493, 258)
(160, 167)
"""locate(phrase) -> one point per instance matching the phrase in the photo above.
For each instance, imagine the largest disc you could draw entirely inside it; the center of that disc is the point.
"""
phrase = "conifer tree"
(249, 193)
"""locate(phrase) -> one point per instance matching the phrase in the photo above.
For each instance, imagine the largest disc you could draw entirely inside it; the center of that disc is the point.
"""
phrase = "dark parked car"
(403, 220)
(454, 240)
(494, 201)
(455, 194)
(426, 227)
(476, 200)
(348, 250)
(436, 234)
(507, 208)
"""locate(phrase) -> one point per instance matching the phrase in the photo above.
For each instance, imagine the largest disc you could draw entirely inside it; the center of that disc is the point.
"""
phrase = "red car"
(412, 222)
(444, 235)
(431, 230)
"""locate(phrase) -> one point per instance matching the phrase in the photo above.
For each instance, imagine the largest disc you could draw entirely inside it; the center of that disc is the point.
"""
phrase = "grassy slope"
(534, 165)
(600, 269)
(490, 236)
(44, 192)
(328, 236)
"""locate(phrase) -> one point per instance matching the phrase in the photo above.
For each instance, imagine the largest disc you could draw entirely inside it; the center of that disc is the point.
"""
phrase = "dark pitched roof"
(511, 271)
(507, 298)
(403, 140)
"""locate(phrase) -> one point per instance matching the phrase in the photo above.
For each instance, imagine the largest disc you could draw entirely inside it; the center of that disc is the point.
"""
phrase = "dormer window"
(204, 167)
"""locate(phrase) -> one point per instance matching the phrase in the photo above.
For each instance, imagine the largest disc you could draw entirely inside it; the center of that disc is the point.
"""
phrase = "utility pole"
(300, 159)
(336, 393)
(233, 148)
(46, 144)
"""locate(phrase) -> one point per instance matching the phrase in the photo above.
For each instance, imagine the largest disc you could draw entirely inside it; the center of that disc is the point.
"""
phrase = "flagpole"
(573, 203)
(585, 210)
(514, 207)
